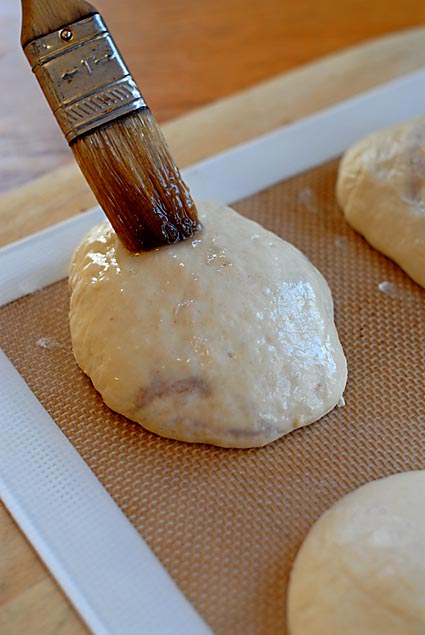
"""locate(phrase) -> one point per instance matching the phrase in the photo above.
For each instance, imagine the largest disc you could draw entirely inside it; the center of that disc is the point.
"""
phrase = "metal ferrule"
(83, 76)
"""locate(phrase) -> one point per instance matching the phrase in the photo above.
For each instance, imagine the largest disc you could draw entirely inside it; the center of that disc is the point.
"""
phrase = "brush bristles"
(130, 171)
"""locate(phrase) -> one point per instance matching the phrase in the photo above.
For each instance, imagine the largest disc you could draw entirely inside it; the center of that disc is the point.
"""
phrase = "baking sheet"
(229, 176)
(227, 523)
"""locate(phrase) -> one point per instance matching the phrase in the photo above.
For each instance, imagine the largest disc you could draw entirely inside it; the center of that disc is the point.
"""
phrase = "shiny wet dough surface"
(227, 338)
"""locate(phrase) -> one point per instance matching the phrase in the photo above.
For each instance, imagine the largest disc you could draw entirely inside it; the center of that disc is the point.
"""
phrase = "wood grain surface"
(184, 54)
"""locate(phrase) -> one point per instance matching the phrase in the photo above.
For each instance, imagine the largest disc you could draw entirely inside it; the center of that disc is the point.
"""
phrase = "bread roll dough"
(226, 338)
(361, 569)
(381, 189)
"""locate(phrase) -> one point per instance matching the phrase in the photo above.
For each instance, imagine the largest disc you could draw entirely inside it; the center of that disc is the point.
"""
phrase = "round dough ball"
(361, 569)
(381, 190)
(226, 338)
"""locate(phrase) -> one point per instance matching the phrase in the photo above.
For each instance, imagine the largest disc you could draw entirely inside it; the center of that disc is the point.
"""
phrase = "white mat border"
(43, 258)
(94, 552)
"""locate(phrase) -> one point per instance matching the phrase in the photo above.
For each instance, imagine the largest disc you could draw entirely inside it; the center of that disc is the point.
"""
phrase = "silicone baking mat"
(227, 523)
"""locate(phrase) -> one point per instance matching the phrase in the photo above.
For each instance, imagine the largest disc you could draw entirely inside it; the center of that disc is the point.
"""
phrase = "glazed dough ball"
(381, 189)
(226, 338)
(361, 569)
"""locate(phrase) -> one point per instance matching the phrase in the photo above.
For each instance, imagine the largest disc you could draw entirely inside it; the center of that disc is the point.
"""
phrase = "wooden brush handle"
(40, 17)
(100, 110)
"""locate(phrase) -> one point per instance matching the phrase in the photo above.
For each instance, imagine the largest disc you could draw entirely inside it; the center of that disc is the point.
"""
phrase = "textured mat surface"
(227, 523)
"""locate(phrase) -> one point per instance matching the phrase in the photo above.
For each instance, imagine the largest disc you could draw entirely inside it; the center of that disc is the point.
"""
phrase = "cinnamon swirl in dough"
(226, 338)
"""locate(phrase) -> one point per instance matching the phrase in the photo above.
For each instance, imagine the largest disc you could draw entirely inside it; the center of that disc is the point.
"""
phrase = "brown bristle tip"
(136, 182)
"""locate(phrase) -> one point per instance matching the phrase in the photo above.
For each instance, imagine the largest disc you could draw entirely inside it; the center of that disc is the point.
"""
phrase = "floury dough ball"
(226, 338)
(361, 569)
(381, 190)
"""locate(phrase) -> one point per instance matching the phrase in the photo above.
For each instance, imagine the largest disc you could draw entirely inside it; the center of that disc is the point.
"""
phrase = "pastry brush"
(111, 131)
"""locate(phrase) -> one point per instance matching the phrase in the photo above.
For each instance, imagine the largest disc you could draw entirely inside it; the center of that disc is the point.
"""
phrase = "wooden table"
(184, 54)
